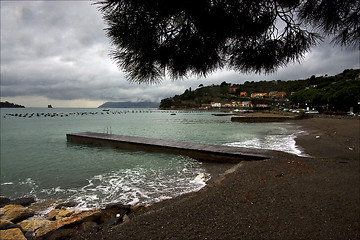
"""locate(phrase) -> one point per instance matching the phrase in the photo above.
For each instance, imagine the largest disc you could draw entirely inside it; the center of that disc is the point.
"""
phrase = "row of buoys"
(30, 115)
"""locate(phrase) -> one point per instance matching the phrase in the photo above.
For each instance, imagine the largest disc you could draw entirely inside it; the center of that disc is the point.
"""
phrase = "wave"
(284, 142)
(128, 186)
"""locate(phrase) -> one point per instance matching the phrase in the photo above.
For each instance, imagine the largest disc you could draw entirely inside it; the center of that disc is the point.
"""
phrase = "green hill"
(339, 92)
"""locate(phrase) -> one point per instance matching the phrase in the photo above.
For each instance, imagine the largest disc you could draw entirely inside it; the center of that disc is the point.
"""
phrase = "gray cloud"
(59, 50)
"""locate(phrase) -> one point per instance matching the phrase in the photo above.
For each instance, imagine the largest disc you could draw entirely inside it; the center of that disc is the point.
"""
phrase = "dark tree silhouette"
(153, 38)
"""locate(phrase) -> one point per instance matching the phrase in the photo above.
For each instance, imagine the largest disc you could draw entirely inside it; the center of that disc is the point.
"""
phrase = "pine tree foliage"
(155, 38)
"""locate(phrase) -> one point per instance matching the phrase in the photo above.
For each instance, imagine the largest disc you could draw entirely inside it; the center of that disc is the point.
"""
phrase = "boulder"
(26, 201)
(3, 221)
(125, 218)
(52, 214)
(34, 224)
(6, 224)
(4, 201)
(16, 213)
(114, 210)
(138, 208)
(63, 213)
(74, 220)
(66, 204)
(12, 234)
(89, 226)
(29, 235)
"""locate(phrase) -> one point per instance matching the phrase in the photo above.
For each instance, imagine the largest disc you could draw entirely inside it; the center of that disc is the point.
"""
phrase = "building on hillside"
(205, 106)
(277, 95)
(259, 95)
(232, 90)
(216, 105)
(227, 105)
(243, 94)
(246, 104)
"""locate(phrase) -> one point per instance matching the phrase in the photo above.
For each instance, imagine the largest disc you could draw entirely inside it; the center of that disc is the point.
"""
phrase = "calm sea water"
(36, 159)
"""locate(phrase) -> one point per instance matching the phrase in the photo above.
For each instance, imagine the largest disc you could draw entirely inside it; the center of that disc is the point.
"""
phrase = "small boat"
(106, 109)
(49, 106)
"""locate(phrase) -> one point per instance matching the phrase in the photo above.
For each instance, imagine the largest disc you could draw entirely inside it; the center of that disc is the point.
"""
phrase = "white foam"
(282, 141)
(7, 183)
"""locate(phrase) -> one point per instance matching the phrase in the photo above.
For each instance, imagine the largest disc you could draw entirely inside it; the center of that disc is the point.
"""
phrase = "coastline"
(286, 197)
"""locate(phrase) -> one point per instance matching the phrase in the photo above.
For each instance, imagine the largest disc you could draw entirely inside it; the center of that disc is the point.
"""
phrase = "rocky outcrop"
(16, 213)
(12, 234)
(60, 223)
(63, 213)
(26, 201)
(71, 221)
(66, 204)
(114, 211)
(34, 224)
(52, 214)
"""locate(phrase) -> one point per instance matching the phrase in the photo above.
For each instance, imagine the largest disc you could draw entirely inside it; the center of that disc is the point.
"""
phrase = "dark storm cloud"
(59, 50)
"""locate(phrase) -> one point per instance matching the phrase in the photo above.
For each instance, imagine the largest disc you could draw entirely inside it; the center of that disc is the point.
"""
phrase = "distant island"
(130, 105)
(6, 104)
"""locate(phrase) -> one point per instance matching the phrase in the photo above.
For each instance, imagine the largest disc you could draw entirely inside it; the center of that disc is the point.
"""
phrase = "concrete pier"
(198, 151)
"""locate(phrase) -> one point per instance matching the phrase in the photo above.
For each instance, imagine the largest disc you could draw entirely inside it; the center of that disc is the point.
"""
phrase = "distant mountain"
(130, 105)
(10, 105)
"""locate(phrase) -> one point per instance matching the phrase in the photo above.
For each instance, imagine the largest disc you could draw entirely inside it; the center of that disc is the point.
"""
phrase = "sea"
(37, 161)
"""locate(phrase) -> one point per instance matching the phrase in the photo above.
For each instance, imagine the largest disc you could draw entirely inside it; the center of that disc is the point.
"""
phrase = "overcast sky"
(56, 52)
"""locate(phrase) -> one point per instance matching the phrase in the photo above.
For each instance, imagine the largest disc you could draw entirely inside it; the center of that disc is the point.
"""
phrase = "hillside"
(339, 92)
(10, 105)
(130, 105)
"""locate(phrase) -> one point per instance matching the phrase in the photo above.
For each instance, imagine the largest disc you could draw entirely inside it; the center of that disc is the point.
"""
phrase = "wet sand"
(285, 197)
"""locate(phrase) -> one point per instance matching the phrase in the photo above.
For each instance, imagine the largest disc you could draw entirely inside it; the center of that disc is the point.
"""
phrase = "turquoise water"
(36, 159)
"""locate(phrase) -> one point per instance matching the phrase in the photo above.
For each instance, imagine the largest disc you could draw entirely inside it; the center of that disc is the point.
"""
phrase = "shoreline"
(284, 197)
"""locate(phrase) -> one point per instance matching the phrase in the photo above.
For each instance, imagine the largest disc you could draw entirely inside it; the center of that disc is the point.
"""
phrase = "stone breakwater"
(18, 220)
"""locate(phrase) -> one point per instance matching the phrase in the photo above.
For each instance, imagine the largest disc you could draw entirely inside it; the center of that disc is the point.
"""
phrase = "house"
(246, 104)
(277, 95)
(243, 94)
(216, 105)
(232, 90)
(227, 105)
(205, 106)
(258, 95)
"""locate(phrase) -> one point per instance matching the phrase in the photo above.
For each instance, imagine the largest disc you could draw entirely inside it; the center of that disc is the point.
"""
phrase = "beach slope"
(285, 197)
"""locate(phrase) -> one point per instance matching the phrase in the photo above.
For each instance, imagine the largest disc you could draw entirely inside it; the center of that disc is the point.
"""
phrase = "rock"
(114, 210)
(34, 224)
(12, 234)
(125, 218)
(6, 224)
(66, 233)
(52, 214)
(16, 213)
(43, 205)
(63, 213)
(74, 220)
(29, 235)
(4, 201)
(108, 223)
(3, 221)
(26, 201)
(66, 204)
(138, 208)
(89, 226)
